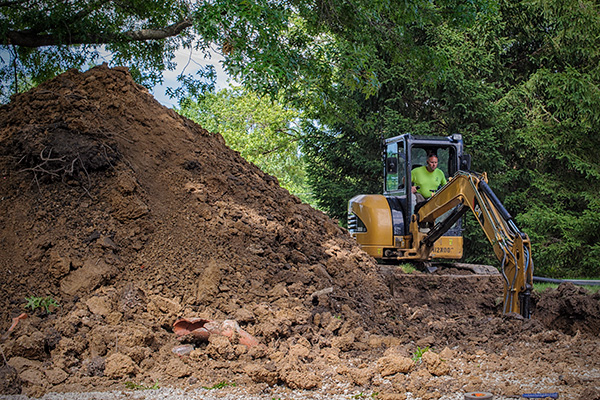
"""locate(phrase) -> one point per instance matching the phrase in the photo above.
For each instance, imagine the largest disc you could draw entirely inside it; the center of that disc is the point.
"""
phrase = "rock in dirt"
(10, 383)
(435, 365)
(120, 366)
(394, 364)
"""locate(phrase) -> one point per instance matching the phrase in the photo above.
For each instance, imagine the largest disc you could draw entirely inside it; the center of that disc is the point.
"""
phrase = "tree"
(266, 43)
(265, 132)
(428, 82)
(44, 38)
(282, 47)
(521, 85)
(555, 111)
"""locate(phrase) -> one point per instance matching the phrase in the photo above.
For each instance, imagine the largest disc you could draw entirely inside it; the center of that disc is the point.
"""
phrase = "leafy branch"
(32, 39)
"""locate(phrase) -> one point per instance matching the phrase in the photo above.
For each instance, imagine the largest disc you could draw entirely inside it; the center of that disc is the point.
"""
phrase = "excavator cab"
(408, 152)
(389, 238)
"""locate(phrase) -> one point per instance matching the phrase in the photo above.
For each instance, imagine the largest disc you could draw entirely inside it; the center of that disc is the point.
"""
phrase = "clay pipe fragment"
(203, 328)
(231, 328)
(15, 321)
(192, 326)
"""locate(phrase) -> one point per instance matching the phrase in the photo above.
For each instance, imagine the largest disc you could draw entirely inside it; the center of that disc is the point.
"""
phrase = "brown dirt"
(131, 216)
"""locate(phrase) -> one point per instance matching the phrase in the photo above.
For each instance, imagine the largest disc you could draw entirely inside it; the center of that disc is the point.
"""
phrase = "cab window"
(395, 168)
(419, 158)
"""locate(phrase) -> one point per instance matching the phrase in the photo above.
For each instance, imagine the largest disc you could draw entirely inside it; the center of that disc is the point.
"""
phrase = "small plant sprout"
(136, 386)
(408, 268)
(41, 302)
(419, 354)
(362, 395)
(219, 385)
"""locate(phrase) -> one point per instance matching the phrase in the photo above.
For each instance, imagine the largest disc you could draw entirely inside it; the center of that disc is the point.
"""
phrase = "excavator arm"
(470, 191)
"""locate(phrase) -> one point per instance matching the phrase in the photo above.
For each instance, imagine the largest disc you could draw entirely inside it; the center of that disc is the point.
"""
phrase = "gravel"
(227, 394)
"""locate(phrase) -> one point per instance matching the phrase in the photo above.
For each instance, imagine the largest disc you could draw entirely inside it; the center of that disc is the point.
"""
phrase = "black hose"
(581, 282)
(494, 199)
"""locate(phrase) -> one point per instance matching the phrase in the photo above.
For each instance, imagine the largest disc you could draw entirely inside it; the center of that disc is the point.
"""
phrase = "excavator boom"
(470, 191)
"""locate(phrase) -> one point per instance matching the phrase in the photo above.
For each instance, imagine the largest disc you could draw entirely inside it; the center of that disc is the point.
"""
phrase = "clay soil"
(130, 217)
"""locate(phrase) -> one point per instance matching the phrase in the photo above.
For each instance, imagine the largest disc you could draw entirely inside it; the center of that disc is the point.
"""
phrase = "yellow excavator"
(394, 229)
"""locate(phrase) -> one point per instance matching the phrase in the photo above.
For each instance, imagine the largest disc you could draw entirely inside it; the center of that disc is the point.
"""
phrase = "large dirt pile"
(131, 216)
(119, 189)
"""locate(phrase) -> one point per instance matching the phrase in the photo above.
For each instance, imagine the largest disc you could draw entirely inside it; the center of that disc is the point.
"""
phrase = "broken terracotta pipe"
(203, 328)
(15, 321)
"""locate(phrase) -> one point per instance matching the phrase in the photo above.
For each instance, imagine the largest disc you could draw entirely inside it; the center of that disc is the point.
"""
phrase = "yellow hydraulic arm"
(469, 190)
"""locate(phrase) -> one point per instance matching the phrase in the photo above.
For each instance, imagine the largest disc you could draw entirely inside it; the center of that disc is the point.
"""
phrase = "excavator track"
(439, 267)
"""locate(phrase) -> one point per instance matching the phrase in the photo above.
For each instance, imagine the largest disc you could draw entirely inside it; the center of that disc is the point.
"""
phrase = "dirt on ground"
(121, 217)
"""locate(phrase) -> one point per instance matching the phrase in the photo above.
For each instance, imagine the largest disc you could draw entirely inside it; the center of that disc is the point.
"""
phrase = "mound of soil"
(129, 217)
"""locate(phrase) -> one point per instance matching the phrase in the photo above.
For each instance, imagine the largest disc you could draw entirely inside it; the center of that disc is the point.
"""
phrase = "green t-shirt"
(427, 181)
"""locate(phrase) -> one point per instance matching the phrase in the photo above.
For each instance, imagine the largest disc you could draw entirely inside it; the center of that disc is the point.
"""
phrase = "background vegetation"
(265, 132)
(323, 81)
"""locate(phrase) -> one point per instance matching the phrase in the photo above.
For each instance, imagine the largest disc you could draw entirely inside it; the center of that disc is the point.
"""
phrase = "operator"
(427, 179)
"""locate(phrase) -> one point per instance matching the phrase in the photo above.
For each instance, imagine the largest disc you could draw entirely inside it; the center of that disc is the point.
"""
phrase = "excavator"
(394, 229)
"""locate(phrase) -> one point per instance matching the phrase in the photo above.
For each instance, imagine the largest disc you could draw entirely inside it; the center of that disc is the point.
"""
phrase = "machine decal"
(477, 211)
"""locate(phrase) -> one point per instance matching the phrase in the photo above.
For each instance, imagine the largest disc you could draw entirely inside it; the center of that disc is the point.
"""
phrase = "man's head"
(432, 162)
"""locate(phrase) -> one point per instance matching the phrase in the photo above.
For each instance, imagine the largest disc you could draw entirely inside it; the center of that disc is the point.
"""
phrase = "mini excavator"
(394, 229)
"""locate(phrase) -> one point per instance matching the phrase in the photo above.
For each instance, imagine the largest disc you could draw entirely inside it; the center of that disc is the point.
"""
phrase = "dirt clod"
(10, 383)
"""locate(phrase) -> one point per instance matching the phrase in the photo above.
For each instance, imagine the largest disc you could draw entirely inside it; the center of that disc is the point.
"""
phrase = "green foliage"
(47, 303)
(47, 37)
(270, 46)
(543, 286)
(525, 99)
(299, 49)
(408, 268)
(426, 86)
(135, 386)
(554, 177)
(220, 385)
(418, 354)
(476, 246)
(340, 167)
(264, 131)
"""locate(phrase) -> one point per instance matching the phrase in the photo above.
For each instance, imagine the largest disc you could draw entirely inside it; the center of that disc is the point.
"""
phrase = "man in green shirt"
(427, 179)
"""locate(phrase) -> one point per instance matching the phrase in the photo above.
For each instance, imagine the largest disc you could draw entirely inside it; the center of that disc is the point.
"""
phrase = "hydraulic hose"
(494, 199)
